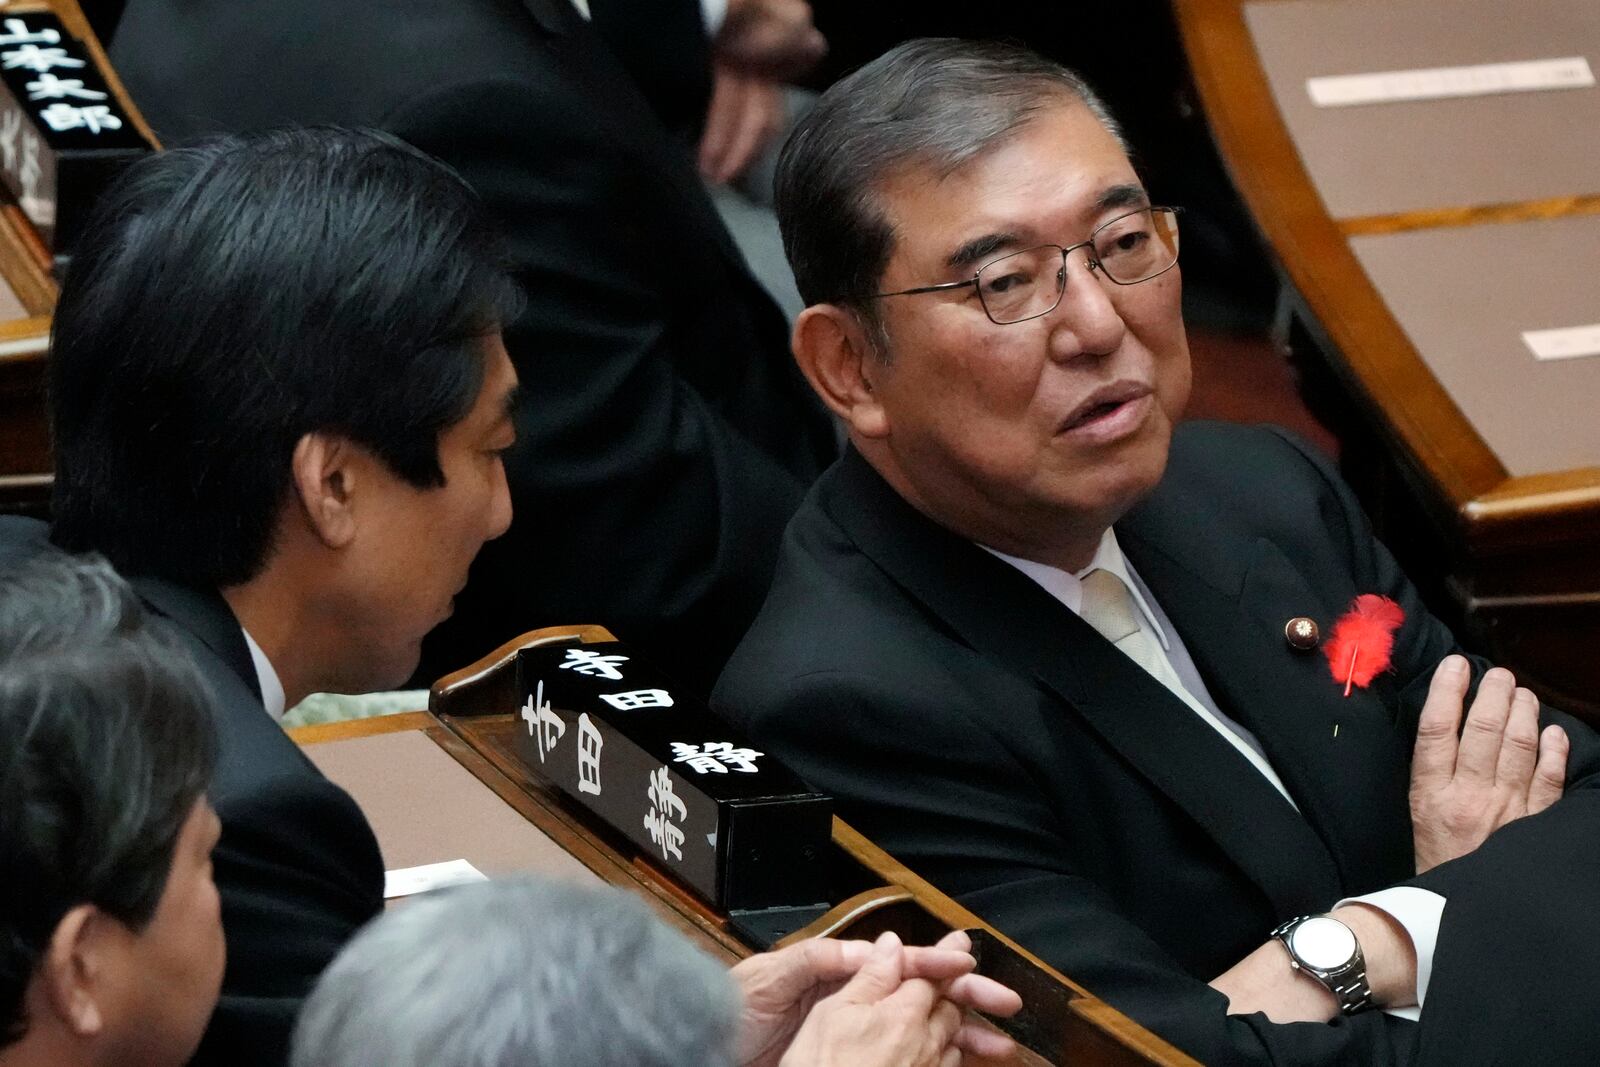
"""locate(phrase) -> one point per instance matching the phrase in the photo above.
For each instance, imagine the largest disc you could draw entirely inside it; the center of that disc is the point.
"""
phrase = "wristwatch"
(1328, 951)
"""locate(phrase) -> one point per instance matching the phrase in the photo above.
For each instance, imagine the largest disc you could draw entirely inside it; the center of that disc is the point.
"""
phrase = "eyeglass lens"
(1129, 249)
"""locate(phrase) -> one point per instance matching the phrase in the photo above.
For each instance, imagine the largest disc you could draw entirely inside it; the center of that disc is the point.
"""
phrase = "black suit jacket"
(665, 436)
(988, 737)
(297, 866)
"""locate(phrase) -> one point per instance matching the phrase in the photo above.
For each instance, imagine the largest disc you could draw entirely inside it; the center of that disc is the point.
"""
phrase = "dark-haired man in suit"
(1058, 656)
(671, 438)
(281, 414)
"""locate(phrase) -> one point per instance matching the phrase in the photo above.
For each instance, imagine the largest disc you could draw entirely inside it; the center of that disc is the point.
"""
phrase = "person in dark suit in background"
(279, 401)
(1058, 657)
(671, 438)
(111, 945)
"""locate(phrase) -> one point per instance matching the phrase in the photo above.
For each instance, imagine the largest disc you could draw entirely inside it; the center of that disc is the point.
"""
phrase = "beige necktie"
(1109, 608)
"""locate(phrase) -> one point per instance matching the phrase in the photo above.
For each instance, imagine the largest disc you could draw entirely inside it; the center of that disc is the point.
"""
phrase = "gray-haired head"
(932, 103)
(106, 743)
(519, 973)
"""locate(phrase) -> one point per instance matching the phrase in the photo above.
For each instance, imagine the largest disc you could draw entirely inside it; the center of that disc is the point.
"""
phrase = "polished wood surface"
(1475, 215)
(1313, 253)
(473, 720)
(1495, 548)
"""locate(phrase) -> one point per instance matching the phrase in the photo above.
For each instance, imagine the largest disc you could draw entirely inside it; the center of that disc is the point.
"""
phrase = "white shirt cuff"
(714, 12)
(1419, 911)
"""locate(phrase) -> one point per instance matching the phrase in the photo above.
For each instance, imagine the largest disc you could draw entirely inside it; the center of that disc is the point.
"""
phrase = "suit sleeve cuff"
(1419, 912)
(714, 12)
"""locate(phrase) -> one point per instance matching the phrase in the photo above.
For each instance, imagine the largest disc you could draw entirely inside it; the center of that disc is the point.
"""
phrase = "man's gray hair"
(519, 973)
(935, 103)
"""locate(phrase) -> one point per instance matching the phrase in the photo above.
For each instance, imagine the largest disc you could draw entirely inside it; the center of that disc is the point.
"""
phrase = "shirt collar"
(272, 696)
(1068, 587)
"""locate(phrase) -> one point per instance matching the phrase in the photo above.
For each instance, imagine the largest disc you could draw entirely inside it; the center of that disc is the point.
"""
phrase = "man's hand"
(770, 38)
(1467, 783)
(880, 1018)
(746, 114)
(781, 988)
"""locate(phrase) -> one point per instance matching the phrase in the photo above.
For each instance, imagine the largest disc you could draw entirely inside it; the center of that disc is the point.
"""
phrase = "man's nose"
(1086, 322)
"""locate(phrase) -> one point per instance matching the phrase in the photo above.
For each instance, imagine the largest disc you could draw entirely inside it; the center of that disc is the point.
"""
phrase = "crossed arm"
(1466, 783)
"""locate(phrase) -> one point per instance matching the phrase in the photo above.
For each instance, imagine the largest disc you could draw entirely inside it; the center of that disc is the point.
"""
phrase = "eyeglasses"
(1127, 250)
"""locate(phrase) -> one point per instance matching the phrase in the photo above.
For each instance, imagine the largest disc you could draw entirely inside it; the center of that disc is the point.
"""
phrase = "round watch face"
(1323, 943)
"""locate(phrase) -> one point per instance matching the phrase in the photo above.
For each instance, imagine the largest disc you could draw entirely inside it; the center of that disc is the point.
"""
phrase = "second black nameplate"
(722, 816)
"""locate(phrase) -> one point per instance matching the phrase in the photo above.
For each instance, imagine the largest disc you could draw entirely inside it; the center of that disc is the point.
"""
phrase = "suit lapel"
(207, 616)
(549, 17)
(1229, 596)
(996, 610)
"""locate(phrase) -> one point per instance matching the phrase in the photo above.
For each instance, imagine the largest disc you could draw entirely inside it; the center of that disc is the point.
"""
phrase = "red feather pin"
(1362, 639)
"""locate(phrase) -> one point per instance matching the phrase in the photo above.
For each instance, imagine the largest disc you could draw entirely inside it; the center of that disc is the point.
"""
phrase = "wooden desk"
(1508, 550)
(873, 892)
(27, 298)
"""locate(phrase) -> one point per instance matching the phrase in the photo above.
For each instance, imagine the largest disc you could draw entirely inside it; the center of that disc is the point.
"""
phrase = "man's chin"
(393, 673)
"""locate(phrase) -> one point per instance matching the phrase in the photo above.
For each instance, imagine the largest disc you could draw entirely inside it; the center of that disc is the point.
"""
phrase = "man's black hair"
(106, 742)
(230, 297)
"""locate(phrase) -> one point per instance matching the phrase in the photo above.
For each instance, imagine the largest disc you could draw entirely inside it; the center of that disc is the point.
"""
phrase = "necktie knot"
(1108, 606)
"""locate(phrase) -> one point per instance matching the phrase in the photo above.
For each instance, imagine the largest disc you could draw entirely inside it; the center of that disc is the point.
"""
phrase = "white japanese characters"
(17, 32)
(62, 116)
(638, 698)
(50, 87)
(544, 724)
(39, 60)
(589, 745)
(77, 105)
(715, 757)
(659, 821)
(585, 661)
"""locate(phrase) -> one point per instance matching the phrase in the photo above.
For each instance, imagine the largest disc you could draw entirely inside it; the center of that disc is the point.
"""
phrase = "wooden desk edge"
(347, 729)
(1431, 431)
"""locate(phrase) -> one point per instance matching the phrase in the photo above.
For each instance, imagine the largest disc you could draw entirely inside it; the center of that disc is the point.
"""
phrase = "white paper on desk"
(1569, 342)
(1438, 83)
(409, 881)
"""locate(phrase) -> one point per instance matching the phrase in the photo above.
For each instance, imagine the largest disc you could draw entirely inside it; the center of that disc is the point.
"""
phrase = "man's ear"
(73, 973)
(841, 362)
(324, 470)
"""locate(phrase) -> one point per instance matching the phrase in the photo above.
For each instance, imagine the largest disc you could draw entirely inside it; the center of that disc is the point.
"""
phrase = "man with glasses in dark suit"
(1060, 655)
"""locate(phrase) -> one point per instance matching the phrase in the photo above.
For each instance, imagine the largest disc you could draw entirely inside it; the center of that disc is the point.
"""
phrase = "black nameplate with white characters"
(63, 135)
(614, 734)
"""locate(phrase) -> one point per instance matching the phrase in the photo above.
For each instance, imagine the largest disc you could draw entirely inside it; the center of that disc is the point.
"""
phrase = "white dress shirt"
(271, 688)
(1419, 911)
(715, 12)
